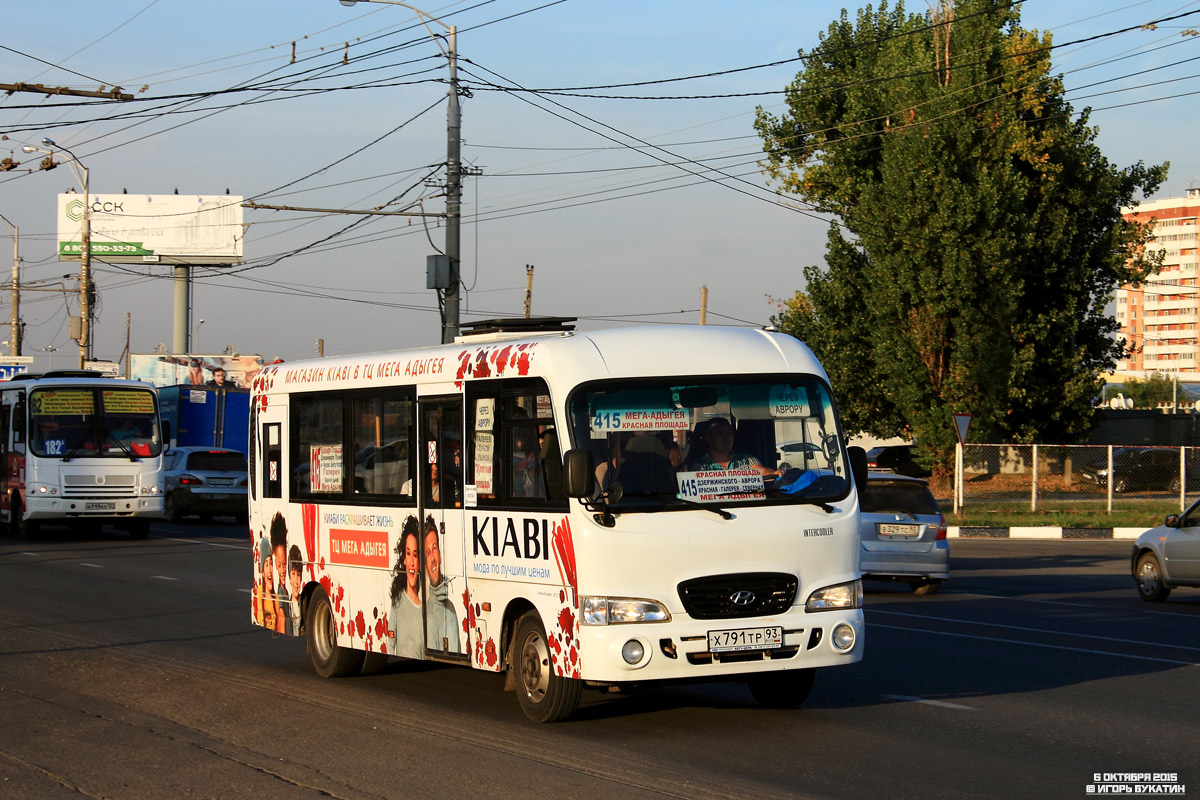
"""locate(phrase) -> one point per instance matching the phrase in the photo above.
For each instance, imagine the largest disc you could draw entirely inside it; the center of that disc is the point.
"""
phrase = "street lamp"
(85, 245)
(453, 167)
(196, 338)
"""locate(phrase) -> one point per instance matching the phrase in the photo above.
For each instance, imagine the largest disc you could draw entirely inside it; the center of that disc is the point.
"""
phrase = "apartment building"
(1160, 317)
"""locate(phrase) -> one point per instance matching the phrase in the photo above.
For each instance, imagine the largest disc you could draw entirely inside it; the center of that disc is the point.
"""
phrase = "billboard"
(194, 370)
(153, 229)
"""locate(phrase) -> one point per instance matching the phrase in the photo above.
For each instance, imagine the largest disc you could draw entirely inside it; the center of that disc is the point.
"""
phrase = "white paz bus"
(575, 509)
(80, 450)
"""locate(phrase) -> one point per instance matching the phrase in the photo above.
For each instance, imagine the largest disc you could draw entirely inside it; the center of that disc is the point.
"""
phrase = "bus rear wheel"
(329, 660)
(543, 696)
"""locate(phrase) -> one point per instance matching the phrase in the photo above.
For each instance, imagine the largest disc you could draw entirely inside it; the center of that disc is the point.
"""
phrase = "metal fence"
(1074, 478)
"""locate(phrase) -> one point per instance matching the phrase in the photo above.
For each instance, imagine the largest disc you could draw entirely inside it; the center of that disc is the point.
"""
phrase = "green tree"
(978, 232)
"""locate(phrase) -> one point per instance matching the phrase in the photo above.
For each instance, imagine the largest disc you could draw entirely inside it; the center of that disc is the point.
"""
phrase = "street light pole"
(14, 337)
(85, 249)
(450, 319)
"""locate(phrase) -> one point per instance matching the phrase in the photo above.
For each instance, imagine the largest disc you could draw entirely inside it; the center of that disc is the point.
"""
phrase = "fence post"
(1033, 499)
(1182, 477)
(1111, 479)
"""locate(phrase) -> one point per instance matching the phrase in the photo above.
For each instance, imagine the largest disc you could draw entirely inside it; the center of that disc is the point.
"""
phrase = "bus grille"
(98, 486)
(747, 594)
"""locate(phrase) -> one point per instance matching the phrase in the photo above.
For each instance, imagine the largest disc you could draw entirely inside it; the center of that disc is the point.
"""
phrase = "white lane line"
(93, 566)
(1040, 630)
(940, 703)
(1175, 614)
(1047, 646)
(163, 578)
(211, 544)
(247, 591)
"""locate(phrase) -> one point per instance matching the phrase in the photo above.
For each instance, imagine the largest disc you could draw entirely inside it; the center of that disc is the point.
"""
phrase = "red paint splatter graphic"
(490, 653)
(566, 622)
(360, 622)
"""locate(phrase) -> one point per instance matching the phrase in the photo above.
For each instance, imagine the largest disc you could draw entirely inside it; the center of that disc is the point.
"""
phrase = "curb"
(1042, 532)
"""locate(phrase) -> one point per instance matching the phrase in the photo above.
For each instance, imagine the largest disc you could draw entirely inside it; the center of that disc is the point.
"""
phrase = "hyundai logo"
(743, 597)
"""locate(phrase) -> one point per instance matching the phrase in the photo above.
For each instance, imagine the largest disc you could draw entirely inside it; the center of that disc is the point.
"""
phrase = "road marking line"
(941, 703)
(1025, 600)
(1047, 646)
(85, 564)
(247, 591)
(163, 578)
(1040, 630)
(211, 544)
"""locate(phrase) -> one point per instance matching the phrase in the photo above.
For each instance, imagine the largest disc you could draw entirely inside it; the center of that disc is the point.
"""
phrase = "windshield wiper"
(76, 447)
(682, 501)
(791, 491)
(121, 445)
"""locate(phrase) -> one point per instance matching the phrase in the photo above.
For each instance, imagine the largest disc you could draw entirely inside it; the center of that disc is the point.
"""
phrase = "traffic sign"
(962, 423)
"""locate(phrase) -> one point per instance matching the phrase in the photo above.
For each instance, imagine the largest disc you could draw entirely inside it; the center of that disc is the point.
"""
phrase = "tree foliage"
(1153, 390)
(978, 232)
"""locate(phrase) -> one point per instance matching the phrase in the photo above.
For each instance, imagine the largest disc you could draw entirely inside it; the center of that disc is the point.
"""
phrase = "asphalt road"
(130, 670)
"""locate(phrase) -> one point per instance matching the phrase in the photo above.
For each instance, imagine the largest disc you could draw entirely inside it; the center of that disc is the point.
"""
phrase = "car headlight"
(831, 598)
(619, 610)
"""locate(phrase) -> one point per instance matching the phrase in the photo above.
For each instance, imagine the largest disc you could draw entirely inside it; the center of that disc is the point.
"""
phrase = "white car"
(903, 533)
(1168, 556)
(798, 455)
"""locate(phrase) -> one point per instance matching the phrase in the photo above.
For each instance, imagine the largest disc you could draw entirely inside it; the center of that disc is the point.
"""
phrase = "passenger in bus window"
(407, 628)
(441, 619)
(295, 581)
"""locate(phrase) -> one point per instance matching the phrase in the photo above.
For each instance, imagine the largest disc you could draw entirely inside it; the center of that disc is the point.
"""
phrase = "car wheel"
(544, 696)
(328, 659)
(929, 586)
(1148, 575)
(173, 508)
(1120, 485)
(782, 689)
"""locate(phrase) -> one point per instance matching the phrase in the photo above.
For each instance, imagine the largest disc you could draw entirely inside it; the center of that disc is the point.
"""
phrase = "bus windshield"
(87, 421)
(676, 442)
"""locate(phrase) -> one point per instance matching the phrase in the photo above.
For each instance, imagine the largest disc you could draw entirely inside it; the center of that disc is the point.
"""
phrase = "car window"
(227, 461)
(906, 498)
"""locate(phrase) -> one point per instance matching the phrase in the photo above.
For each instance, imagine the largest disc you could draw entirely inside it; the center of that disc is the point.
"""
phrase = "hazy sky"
(626, 207)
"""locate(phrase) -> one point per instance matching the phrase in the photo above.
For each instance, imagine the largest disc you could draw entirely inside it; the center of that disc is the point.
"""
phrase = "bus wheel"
(373, 663)
(782, 689)
(329, 660)
(25, 528)
(544, 696)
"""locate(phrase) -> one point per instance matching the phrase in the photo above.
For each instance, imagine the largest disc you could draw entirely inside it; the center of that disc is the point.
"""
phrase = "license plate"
(100, 507)
(891, 529)
(745, 639)
(221, 481)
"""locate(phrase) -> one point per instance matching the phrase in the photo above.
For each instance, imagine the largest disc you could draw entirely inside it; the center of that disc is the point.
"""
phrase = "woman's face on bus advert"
(412, 561)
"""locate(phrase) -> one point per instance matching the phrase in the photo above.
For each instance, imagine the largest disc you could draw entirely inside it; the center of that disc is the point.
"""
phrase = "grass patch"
(1146, 516)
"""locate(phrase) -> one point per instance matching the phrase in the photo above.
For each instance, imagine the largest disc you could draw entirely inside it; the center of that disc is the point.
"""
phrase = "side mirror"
(579, 473)
(858, 465)
(166, 435)
(1172, 521)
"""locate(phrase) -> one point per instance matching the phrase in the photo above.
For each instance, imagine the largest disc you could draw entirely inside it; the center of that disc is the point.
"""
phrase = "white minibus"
(574, 509)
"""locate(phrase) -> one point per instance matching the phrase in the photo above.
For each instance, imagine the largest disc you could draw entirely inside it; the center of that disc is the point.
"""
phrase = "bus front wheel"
(544, 696)
(329, 660)
(24, 528)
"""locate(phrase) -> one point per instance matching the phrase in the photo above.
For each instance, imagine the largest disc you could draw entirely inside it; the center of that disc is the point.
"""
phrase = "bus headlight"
(843, 637)
(830, 598)
(41, 488)
(619, 610)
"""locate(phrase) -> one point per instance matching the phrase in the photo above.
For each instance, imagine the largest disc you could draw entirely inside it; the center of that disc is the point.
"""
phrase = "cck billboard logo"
(74, 209)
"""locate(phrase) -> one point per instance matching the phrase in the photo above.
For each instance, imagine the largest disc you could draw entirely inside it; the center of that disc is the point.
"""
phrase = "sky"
(626, 205)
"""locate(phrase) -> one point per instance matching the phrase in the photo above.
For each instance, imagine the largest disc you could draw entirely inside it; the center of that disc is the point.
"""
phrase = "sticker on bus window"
(325, 468)
(788, 401)
(483, 463)
(485, 413)
(65, 402)
(720, 485)
(123, 401)
(55, 447)
(642, 419)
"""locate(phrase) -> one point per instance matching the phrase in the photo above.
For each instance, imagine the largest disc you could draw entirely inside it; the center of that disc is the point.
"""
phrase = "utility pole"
(14, 338)
(528, 289)
(704, 305)
(453, 192)
(320, 348)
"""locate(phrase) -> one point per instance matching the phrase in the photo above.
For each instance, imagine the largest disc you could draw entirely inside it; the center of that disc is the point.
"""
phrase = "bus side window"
(272, 444)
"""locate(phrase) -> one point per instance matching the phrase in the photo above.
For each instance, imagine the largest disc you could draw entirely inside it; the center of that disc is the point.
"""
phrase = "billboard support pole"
(183, 308)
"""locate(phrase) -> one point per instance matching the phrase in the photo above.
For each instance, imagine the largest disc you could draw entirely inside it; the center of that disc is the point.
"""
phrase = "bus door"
(440, 461)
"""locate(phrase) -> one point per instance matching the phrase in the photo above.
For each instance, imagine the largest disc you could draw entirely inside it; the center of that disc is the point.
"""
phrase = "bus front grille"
(746, 594)
(98, 486)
